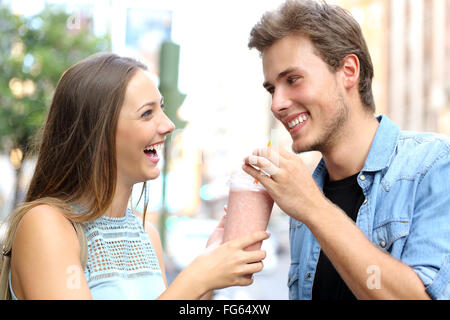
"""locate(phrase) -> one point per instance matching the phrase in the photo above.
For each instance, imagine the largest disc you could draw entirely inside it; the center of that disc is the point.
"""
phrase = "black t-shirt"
(328, 284)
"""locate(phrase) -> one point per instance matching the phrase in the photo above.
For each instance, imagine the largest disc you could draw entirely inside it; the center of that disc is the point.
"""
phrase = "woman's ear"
(350, 71)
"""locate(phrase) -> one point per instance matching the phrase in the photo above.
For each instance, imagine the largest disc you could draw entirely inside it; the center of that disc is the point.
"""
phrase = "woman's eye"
(146, 113)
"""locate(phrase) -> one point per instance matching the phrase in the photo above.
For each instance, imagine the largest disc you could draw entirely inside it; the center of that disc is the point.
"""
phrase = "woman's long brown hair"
(76, 161)
(77, 158)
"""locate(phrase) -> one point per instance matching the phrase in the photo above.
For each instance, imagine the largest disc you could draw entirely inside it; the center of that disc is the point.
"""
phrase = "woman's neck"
(120, 201)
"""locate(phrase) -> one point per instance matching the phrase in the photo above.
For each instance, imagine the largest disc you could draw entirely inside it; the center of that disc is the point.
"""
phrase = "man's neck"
(347, 156)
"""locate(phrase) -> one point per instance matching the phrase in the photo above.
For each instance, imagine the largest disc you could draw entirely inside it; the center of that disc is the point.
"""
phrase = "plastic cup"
(248, 210)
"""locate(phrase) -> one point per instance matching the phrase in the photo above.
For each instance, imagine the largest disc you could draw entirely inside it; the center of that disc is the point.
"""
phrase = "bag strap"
(5, 294)
(83, 243)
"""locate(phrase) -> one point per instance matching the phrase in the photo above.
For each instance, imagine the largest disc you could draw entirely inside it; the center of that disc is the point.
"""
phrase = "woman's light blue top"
(122, 263)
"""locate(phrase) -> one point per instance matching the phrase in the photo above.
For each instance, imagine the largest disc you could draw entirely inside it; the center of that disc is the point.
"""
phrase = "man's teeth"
(300, 119)
(156, 147)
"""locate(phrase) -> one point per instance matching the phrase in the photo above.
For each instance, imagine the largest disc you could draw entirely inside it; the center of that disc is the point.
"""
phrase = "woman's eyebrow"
(151, 103)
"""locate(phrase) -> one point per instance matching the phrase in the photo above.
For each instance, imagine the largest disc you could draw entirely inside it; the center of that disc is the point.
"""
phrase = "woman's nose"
(166, 126)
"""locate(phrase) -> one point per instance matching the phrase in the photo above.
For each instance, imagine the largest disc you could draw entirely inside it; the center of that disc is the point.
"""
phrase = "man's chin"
(297, 149)
(300, 148)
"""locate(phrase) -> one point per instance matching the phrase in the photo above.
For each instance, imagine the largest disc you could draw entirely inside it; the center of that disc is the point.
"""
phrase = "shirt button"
(362, 177)
(365, 201)
(308, 275)
(383, 244)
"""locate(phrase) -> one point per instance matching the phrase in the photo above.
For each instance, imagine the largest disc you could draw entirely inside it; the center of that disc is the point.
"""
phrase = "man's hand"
(287, 180)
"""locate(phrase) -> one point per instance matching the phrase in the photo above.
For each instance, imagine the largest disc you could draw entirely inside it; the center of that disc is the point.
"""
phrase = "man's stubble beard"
(332, 130)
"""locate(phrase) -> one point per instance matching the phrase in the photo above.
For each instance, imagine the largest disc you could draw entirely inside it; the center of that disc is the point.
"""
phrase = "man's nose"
(280, 101)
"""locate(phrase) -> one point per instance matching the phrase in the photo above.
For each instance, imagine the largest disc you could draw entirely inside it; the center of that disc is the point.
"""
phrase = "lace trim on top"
(119, 248)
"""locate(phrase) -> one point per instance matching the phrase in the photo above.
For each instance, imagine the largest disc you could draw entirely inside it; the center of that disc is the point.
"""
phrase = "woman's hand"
(216, 237)
(228, 264)
(220, 266)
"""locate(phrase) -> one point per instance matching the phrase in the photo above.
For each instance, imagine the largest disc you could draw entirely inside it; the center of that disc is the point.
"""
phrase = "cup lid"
(240, 180)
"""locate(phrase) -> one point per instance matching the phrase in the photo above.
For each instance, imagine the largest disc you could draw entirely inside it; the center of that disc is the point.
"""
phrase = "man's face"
(306, 96)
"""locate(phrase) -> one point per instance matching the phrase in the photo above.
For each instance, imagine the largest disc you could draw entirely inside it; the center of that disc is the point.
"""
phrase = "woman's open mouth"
(151, 151)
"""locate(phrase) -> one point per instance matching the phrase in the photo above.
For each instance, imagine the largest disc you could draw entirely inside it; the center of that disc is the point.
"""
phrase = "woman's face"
(141, 130)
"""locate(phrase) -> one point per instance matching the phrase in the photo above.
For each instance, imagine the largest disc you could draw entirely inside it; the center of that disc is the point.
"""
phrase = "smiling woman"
(141, 129)
(74, 237)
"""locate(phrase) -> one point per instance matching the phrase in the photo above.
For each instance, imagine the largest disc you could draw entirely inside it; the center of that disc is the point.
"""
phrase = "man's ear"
(349, 71)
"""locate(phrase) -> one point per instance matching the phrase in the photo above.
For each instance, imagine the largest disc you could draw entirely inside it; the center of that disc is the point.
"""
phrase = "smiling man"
(373, 222)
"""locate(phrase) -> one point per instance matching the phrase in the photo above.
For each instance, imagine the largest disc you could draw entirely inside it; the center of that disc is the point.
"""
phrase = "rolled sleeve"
(427, 249)
(439, 289)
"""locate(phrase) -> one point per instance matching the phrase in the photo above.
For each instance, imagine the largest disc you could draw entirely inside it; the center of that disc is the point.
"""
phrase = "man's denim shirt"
(406, 211)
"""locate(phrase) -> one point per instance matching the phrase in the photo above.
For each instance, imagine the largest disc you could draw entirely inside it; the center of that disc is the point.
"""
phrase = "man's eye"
(291, 80)
(163, 106)
(271, 90)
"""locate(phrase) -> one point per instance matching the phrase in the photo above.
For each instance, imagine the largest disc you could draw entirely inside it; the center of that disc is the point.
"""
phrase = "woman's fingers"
(247, 240)
(247, 270)
(244, 281)
(222, 222)
(254, 256)
(253, 267)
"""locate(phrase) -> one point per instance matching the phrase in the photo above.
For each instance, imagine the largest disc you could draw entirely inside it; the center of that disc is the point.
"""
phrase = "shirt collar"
(383, 145)
(380, 153)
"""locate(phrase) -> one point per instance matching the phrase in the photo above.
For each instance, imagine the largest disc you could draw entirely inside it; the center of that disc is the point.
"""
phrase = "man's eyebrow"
(267, 84)
(151, 103)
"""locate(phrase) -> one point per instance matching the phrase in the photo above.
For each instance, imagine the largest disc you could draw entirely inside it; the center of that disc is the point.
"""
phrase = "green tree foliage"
(34, 52)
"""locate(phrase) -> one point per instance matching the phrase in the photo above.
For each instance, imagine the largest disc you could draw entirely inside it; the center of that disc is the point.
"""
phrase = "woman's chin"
(154, 174)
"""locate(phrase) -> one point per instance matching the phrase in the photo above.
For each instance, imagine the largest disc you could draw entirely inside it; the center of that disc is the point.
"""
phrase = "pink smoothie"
(248, 211)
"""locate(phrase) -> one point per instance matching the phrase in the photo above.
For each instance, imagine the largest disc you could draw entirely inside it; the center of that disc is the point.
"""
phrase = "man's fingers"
(257, 174)
(271, 153)
(263, 164)
(285, 154)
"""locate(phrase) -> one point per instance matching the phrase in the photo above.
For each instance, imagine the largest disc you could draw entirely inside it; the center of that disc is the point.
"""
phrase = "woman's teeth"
(154, 148)
(300, 119)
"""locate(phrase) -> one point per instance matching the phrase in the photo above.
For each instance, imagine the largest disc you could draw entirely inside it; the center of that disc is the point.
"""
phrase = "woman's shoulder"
(45, 249)
(47, 217)
(42, 226)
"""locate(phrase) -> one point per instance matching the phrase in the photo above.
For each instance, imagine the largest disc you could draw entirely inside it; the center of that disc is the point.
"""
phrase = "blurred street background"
(199, 49)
